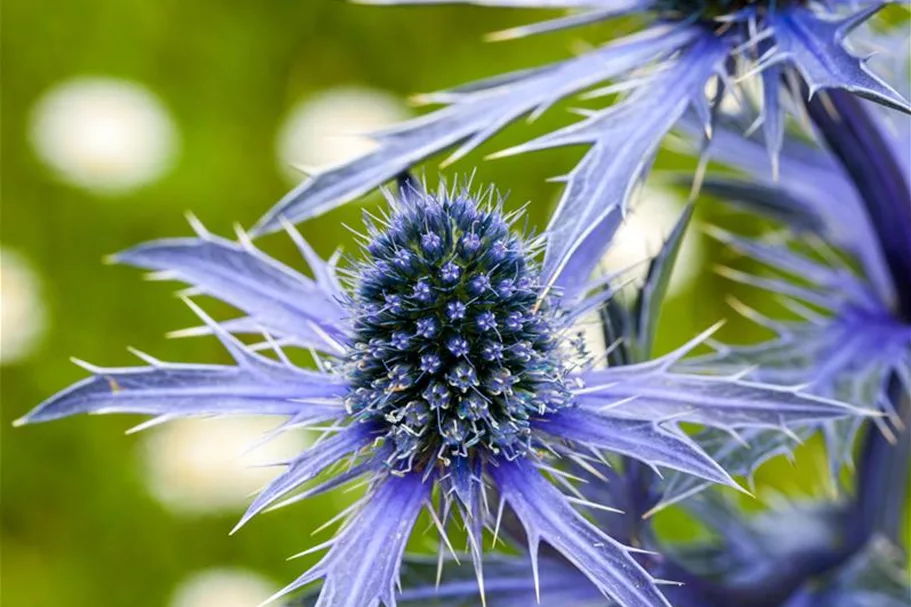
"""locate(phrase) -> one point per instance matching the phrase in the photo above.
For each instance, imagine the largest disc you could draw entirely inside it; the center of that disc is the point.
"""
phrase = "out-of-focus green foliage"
(79, 527)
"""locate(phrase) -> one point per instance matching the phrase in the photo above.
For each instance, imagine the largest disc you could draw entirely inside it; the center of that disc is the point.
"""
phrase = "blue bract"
(448, 371)
(688, 58)
(852, 335)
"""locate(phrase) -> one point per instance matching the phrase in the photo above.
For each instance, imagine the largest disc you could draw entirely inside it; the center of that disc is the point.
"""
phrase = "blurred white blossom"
(644, 231)
(223, 588)
(103, 134)
(22, 311)
(328, 128)
(198, 466)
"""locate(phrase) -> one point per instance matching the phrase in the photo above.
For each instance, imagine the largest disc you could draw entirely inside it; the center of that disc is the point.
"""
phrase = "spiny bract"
(452, 347)
(446, 384)
(689, 57)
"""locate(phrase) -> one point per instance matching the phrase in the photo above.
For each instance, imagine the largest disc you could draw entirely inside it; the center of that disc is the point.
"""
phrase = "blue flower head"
(448, 381)
(454, 353)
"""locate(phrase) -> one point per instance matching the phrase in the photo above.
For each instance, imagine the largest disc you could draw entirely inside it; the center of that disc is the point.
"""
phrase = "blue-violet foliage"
(688, 57)
(448, 380)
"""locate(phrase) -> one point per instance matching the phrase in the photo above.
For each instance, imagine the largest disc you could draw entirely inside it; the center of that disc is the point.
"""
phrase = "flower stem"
(856, 138)
(882, 473)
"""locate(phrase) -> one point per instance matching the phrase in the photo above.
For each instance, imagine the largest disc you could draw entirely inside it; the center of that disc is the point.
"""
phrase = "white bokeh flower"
(23, 317)
(644, 231)
(223, 588)
(104, 134)
(328, 128)
(638, 240)
(199, 466)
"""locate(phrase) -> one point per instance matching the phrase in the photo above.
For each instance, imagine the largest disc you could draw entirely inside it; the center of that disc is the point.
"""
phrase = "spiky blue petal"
(623, 140)
(254, 386)
(312, 462)
(362, 566)
(590, 11)
(647, 441)
(614, 8)
(739, 454)
(507, 581)
(473, 114)
(276, 298)
(649, 391)
(834, 356)
(547, 516)
(848, 358)
(815, 46)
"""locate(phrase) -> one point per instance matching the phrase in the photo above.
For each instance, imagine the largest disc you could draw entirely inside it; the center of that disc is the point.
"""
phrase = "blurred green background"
(84, 522)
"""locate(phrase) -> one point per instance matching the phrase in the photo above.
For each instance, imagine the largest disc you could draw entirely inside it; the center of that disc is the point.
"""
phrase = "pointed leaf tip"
(649, 300)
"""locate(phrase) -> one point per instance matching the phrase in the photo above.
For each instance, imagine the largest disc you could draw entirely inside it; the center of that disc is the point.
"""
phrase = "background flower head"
(688, 59)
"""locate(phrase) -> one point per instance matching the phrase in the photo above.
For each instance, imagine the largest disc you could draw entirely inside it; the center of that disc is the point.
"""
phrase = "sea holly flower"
(848, 343)
(687, 50)
(855, 330)
(447, 378)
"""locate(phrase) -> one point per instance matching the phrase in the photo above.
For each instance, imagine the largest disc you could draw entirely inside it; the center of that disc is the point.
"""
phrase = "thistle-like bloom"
(854, 334)
(449, 371)
(664, 70)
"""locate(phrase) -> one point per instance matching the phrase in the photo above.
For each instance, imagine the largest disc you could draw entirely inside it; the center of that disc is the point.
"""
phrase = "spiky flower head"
(445, 372)
(453, 348)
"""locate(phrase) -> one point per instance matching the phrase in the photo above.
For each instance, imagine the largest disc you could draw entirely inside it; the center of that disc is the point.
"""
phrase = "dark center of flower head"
(454, 351)
(710, 11)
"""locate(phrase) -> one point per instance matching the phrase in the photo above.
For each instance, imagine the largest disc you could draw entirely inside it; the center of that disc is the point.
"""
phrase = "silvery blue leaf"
(362, 566)
(649, 299)
(473, 114)
(548, 516)
(276, 298)
(816, 48)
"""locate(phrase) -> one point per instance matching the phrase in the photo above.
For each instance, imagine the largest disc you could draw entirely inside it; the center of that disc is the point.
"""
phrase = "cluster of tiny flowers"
(453, 348)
